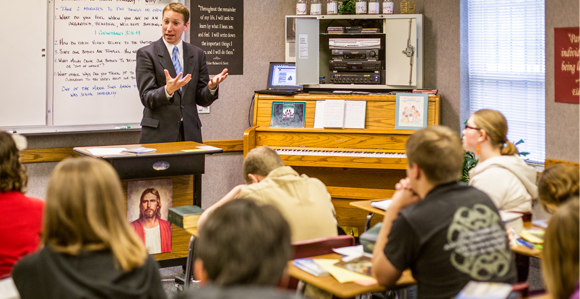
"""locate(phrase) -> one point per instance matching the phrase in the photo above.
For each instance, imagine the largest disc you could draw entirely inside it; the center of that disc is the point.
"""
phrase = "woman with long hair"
(507, 180)
(20, 215)
(560, 253)
(89, 249)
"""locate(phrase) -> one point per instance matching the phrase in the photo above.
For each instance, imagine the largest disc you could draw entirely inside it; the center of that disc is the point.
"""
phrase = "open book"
(340, 114)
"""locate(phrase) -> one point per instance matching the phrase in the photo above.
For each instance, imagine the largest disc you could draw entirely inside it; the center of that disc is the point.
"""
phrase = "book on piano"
(340, 114)
(288, 114)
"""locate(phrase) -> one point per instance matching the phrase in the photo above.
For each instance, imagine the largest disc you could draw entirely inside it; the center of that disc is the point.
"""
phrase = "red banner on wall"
(566, 65)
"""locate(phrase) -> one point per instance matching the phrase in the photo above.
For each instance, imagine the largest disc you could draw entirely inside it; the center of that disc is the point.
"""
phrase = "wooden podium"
(182, 162)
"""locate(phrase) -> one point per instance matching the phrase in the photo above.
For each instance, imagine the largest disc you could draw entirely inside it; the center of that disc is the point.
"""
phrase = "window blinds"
(507, 67)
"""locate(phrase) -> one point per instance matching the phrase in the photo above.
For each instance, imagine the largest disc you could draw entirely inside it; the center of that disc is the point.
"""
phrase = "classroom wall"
(229, 115)
(561, 118)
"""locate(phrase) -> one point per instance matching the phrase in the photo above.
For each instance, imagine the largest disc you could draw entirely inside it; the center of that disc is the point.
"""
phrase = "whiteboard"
(95, 48)
(23, 57)
(86, 80)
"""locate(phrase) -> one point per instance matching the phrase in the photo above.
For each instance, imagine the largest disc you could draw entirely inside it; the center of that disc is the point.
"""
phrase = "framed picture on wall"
(411, 111)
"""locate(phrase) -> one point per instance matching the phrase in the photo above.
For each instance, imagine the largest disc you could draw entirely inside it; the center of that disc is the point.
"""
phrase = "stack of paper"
(139, 150)
(382, 204)
(310, 266)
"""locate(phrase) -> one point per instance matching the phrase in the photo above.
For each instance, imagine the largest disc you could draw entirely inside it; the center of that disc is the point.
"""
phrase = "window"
(506, 67)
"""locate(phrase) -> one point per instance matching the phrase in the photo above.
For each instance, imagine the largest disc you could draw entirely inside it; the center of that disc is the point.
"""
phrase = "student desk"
(182, 162)
(344, 290)
(366, 205)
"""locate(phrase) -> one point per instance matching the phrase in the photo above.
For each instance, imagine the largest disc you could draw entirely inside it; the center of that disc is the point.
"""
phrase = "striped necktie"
(175, 60)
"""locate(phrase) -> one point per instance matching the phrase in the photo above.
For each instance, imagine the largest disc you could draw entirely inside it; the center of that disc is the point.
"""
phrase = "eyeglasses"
(473, 128)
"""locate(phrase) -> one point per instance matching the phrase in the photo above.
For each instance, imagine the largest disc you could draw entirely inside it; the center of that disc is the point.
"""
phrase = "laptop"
(282, 79)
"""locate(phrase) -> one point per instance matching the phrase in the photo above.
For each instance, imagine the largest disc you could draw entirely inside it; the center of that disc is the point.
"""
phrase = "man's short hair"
(438, 152)
(261, 160)
(156, 193)
(244, 243)
(180, 8)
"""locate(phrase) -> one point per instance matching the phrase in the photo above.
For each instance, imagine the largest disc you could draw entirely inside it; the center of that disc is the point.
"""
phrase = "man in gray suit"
(164, 71)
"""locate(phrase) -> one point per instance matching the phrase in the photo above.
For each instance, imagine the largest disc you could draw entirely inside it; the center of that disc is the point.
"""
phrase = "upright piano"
(355, 164)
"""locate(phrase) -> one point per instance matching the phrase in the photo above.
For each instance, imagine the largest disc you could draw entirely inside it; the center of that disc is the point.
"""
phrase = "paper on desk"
(540, 223)
(208, 147)
(350, 251)
(104, 151)
(8, 289)
(340, 274)
(382, 204)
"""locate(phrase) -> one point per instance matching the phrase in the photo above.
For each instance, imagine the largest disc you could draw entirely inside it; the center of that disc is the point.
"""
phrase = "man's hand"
(404, 195)
(217, 79)
(173, 84)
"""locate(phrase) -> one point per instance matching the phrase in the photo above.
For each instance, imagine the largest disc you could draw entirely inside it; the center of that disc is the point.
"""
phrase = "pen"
(123, 127)
(526, 243)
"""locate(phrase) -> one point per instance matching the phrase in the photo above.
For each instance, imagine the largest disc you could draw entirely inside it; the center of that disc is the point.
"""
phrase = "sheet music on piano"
(340, 114)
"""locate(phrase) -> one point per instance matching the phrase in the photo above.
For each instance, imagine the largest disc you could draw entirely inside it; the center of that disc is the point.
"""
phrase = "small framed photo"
(411, 111)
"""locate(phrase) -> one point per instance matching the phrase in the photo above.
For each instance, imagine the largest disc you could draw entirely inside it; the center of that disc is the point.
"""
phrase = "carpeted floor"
(168, 280)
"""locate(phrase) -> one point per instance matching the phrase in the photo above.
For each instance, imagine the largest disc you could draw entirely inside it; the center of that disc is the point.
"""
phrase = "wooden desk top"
(344, 290)
(169, 148)
(193, 232)
(366, 205)
(523, 250)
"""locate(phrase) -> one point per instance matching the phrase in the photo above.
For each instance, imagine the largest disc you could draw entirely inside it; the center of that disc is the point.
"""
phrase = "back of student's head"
(557, 183)
(261, 161)
(244, 243)
(495, 126)
(12, 174)
(560, 253)
(437, 150)
(84, 211)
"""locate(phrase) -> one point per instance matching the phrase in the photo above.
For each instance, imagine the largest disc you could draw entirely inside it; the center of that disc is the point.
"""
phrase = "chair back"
(523, 288)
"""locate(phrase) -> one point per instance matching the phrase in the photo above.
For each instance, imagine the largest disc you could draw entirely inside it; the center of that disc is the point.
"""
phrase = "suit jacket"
(161, 117)
(164, 229)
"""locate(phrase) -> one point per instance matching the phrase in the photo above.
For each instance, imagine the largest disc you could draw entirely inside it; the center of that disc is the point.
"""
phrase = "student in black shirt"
(445, 232)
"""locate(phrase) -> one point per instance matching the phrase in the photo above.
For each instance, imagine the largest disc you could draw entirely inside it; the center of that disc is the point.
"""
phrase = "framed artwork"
(411, 111)
(148, 203)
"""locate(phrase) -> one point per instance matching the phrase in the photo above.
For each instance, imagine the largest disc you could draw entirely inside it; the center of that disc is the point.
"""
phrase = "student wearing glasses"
(509, 181)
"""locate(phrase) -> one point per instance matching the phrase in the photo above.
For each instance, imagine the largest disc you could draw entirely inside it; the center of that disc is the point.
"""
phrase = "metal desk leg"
(189, 265)
(197, 190)
(368, 222)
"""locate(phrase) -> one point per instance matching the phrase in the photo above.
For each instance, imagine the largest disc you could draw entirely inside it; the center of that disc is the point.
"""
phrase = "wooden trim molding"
(57, 154)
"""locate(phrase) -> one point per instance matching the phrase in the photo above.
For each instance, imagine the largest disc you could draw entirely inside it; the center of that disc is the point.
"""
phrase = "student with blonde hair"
(89, 249)
(560, 253)
(557, 183)
(509, 181)
(20, 215)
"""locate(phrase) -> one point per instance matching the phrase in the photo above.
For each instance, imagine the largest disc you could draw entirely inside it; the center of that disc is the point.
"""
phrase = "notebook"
(282, 79)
